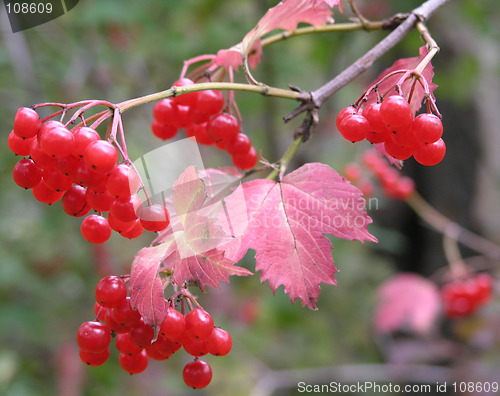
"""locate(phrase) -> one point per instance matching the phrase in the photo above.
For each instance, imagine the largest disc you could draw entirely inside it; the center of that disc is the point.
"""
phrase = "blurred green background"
(116, 50)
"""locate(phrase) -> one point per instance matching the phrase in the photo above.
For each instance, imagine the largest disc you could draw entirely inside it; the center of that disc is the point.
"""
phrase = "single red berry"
(26, 123)
(95, 229)
(199, 132)
(134, 364)
(120, 226)
(181, 119)
(397, 151)
(210, 102)
(125, 314)
(122, 181)
(195, 116)
(141, 334)
(126, 208)
(93, 336)
(155, 218)
(173, 325)
(125, 345)
(100, 201)
(68, 166)
(378, 132)
(46, 195)
(83, 137)
(18, 145)
(195, 347)
(163, 131)
(220, 342)
(165, 346)
(26, 173)
(396, 112)
(347, 111)
(241, 145)
(246, 161)
(430, 154)
(403, 137)
(354, 128)
(89, 178)
(165, 111)
(40, 158)
(100, 156)
(56, 180)
(111, 291)
(94, 359)
(114, 326)
(197, 374)
(223, 127)
(188, 99)
(199, 324)
(57, 142)
(74, 201)
(135, 232)
(427, 128)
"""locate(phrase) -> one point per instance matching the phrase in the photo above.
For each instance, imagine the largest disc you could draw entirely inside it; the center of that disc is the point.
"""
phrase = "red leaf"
(286, 223)
(406, 64)
(407, 301)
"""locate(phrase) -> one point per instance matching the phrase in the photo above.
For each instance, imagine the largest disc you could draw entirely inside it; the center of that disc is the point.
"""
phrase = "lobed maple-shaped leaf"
(286, 15)
(407, 301)
(187, 250)
(286, 223)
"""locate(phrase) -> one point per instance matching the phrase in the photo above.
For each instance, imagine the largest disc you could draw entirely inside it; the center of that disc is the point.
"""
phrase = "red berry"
(246, 161)
(427, 128)
(94, 359)
(125, 314)
(111, 291)
(241, 145)
(26, 123)
(347, 111)
(95, 229)
(74, 201)
(57, 142)
(397, 151)
(165, 111)
(134, 364)
(173, 325)
(155, 218)
(126, 209)
(40, 158)
(118, 225)
(100, 201)
(165, 346)
(430, 154)
(396, 112)
(210, 102)
(100, 156)
(378, 132)
(68, 166)
(141, 334)
(89, 178)
(56, 180)
(197, 374)
(220, 342)
(93, 336)
(125, 345)
(199, 132)
(135, 232)
(163, 131)
(188, 99)
(18, 145)
(181, 119)
(46, 195)
(195, 347)
(195, 116)
(26, 173)
(403, 137)
(122, 181)
(199, 324)
(83, 137)
(223, 127)
(354, 128)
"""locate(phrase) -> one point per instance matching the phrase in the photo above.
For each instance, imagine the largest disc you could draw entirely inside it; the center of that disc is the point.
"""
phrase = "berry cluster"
(391, 122)
(135, 340)
(79, 168)
(201, 115)
(462, 298)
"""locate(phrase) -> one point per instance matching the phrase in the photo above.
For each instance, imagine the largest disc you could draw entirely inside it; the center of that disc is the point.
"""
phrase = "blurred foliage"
(116, 50)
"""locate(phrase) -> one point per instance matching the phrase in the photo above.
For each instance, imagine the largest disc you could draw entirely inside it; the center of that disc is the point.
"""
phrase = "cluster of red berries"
(393, 183)
(135, 340)
(462, 298)
(79, 168)
(201, 115)
(391, 122)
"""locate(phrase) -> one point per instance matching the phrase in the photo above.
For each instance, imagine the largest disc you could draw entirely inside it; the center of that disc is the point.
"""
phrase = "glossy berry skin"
(197, 374)
(165, 346)
(126, 209)
(93, 336)
(18, 145)
(220, 342)
(125, 345)
(57, 142)
(94, 359)
(95, 229)
(155, 218)
(163, 131)
(165, 111)
(173, 325)
(40, 158)
(111, 291)
(74, 201)
(100, 156)
(195, 347)
(396, 112)
(199, 324)
(430, 154)
(26, 123)
(188, 99)
(223, 127)
(347, 111)
(134, 232)
(210, 102)
(397, 151)
(46, 195)
(134, 364)
(100, 201)
(56, 180)
(241, 145)
(141, 334)
(246, 161)
(199, 132)
(83, 137)
(354, 127)
(378, 132)
(122, 181)
(26, 173)
(118, 225)
(125, 314)
(427, 128)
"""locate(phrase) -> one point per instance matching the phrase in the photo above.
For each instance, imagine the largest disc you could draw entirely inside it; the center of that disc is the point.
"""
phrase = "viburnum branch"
(445, 225)
(364, 22)
(433, 47)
